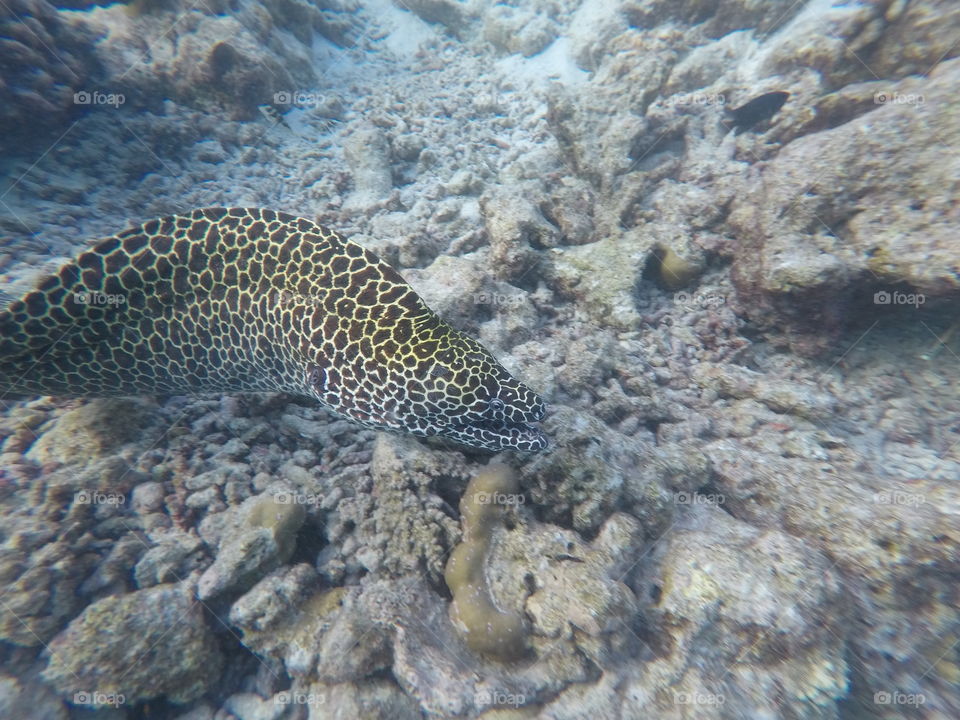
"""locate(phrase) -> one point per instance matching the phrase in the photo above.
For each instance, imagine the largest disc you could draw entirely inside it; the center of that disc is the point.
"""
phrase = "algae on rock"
(259, 535)
(486, 628)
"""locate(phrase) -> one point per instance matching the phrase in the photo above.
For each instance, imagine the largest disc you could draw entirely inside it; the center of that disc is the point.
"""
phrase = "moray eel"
(222, 300)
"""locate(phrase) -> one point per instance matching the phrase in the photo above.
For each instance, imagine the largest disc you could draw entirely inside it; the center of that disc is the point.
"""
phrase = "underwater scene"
(424, 359)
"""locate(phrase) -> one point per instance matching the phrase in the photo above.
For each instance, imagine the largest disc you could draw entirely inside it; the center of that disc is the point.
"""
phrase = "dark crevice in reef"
(713, 494)
(309, 542)
(437, 585)
(653, 426)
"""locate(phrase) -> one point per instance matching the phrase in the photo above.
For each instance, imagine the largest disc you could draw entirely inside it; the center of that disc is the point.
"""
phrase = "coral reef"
(45, 60)
(519, 30)
(777, 605)
(101, 652)
(827, 257)
(748, 508)
(145, 52)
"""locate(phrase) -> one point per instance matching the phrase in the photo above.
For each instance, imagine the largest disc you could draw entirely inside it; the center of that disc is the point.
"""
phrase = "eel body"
(246, 300)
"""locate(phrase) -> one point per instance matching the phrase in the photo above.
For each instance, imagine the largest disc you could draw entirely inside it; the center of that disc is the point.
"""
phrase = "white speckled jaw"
(499, 435)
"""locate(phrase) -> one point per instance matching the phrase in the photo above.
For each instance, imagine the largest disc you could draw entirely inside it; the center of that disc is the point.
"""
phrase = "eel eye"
(496, 405)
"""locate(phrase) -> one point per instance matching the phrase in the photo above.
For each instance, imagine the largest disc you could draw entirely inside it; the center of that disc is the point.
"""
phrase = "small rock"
(170, 561)
(143, 645)
(517, 230)
(259, 536)
(147, 497)
(463, 182)
(368, 155)
(248, 706)
(20, 698)
(407, 147)
(518, 31)
(91, 431)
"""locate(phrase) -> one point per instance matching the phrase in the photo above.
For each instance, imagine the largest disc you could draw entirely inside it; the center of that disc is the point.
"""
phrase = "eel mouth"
(503, 435)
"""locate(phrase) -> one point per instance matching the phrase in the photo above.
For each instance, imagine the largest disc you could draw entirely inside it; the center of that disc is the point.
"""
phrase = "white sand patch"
(407, 32)
(554, 64)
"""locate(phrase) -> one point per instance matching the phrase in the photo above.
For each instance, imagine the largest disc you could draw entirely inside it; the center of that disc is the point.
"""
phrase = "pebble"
(147, 497)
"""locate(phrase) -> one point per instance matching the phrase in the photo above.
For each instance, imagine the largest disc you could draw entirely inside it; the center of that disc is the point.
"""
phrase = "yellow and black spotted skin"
(221, 300)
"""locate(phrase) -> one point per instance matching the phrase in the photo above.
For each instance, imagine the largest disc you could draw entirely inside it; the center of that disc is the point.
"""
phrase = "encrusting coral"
(486, 628)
